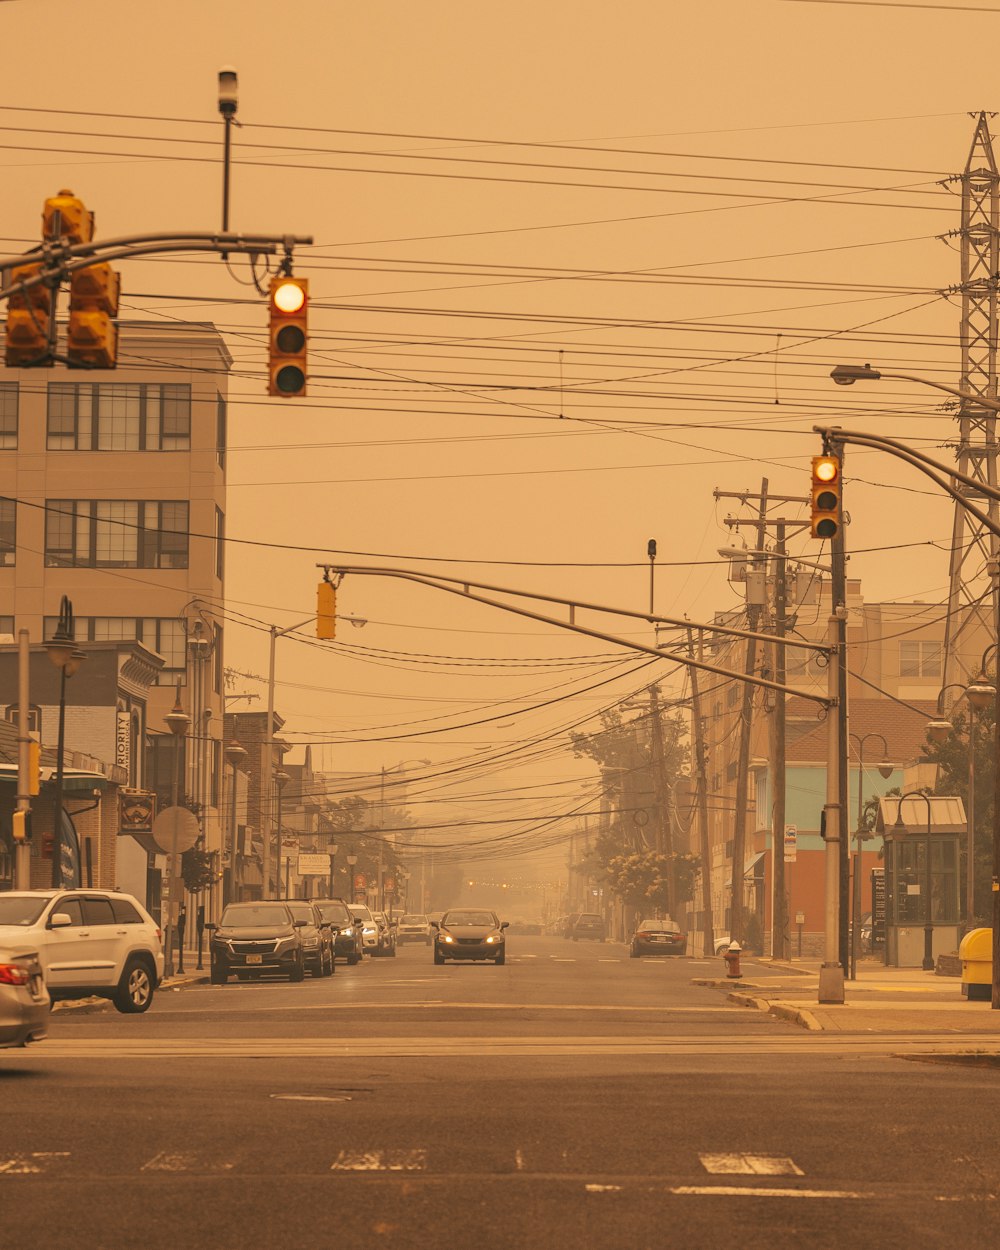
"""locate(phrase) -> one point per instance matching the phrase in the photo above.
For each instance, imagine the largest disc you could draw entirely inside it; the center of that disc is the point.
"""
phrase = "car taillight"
(14, 974)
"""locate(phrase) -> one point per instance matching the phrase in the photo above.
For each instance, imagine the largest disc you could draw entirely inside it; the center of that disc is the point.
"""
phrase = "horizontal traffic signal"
(288, 337)
(825, 518)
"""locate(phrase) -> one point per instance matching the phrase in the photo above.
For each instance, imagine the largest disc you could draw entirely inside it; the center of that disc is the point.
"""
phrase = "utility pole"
(779, 903)
(708, 927)
(22, 848)
(664, 832)
(838, 590)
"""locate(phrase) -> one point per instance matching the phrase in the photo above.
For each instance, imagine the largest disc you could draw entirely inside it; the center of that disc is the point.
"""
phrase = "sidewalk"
(881, 1000)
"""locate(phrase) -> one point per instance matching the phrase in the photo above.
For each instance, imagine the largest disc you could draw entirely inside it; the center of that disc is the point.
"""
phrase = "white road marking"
(750, 1165)
(602, 960)
(380, 1161)
(519, 1160)
(754, 1191)
(171, 1161)
(603, 1189)
(311, 1097)
(562, 959)
(30, 1164)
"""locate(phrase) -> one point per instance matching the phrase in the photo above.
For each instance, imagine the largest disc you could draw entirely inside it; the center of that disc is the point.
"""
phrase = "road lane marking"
(179, 1161)
(311, 1097)
(756, 1191)
(603, 1189)
(30, 1164)
(519, 1160)
(380, 1161)
(401, 1004)
(750, 1165)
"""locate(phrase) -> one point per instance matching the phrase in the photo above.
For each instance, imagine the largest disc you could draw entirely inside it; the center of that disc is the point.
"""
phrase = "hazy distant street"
(572, 1098)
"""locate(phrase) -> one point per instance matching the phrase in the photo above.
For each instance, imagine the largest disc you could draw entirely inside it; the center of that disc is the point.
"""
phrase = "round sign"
(175, 830)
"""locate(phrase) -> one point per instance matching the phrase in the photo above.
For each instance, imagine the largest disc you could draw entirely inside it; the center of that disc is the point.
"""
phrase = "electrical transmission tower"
(974, 550)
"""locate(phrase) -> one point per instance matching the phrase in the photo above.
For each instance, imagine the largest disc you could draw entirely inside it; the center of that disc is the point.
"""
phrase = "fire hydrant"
(732, 958)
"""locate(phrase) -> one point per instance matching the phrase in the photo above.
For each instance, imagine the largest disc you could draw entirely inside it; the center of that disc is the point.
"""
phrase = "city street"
(573, 1097)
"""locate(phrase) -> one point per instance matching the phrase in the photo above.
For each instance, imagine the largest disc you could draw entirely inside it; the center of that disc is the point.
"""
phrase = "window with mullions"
(220, 429)
(919, 659)
(8, 416)
(116, 533)
(167, 636)
(119, 416)
(8, 532)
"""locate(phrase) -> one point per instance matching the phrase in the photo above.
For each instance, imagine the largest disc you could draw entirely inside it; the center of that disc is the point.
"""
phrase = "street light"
(333, 849)
(352, 859)
(900, 827)
(281, 779)
(885, 771)
(235, 754)
(178, 723)
(65, 656)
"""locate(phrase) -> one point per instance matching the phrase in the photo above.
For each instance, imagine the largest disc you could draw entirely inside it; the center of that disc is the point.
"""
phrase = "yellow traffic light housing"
(825, 517)
(65, 217)
(288, 337)
(19, 827)
(326, 611)
(92, 335)
(34, 767)
(29, 316)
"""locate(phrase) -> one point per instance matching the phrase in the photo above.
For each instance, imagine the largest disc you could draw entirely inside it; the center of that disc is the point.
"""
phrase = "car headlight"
(495, 937)
(310, 942)
(367, 930)
(446, 937)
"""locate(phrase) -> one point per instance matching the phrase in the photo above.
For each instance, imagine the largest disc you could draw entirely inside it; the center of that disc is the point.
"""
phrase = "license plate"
(255, 959)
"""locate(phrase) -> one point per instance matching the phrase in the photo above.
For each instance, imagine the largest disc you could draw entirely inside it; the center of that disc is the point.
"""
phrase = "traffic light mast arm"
(456, 586)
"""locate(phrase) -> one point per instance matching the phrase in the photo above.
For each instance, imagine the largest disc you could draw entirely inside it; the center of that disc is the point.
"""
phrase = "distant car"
(587, 925)
(371, 934)
(317, 940)
(256, 938)
(470, 933)
(387, 929)
(24, 1000)
(722, 943)
(413, 928)
(347, 937)
(526, 928)
(569, 923)
(657, 937)
(88, 942)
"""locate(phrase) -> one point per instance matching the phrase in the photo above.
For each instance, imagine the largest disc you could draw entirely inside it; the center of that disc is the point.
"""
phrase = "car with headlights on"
(252, 939)
(387, 928)
(469, 933)
(371, 934)
(345, 929)
(657, 937)
(317, 940)
(24, 1000)
(413, 928)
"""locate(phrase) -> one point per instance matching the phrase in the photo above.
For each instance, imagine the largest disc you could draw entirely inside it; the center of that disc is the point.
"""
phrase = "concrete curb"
(82, 1006)
(797, 1015)
(748, 1000)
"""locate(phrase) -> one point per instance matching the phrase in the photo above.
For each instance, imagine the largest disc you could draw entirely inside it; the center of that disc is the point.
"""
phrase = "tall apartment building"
(113, 493)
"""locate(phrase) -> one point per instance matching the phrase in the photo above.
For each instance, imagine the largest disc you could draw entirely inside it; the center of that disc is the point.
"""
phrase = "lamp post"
(65, 656)
(333, 849)
(352, 859)
(400, 767)
(178, 723)
(900, 826)
(885, 770)
(281, 779)
(235, 754)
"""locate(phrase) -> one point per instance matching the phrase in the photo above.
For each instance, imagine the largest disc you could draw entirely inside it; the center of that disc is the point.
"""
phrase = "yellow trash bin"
(976, 954)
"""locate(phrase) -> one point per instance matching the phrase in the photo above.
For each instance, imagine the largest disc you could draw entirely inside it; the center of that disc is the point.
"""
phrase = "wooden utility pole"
(779, 904)
(701, 766)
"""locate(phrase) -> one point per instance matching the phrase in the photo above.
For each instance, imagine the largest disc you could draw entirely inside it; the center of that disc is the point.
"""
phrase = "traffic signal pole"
(22, 847)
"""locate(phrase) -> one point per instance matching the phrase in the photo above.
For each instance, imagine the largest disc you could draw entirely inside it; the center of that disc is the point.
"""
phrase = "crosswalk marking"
(31, 1163)
(184, 1161)
(380, 1161)
(749, 1165)
(756, 1191)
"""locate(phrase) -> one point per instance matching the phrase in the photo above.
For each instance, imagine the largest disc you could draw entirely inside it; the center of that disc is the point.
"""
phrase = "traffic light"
(20, 827)
(65, 217)
(29, 314)
(288, 337)
(326, 611)
(92, 335)
(825, 518)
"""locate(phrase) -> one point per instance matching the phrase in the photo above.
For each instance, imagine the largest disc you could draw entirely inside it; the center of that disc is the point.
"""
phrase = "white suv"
(88, 942)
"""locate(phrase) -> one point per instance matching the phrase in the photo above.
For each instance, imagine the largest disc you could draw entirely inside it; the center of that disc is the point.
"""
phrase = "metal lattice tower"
(974, 550)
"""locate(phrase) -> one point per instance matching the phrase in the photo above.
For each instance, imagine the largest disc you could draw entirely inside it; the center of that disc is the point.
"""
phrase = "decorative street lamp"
(352, 859)
(900, 827)
(885, 771)
(332, 849)
(235, 754)
(178, 722)
(65, 656)
(281, 779)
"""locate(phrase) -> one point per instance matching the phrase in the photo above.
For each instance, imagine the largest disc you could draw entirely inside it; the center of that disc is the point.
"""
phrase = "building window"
(8, 532)
(119, 416)
(116, 533)
(8, 416)
(732, 770)
(219, 674)
(220, 544)
(919, 659)
(220, 430)
(6, 626)
(167, 636)
(732, 694)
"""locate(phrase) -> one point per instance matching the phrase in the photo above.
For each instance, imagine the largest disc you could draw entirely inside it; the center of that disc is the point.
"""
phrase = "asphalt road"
(572, 1098)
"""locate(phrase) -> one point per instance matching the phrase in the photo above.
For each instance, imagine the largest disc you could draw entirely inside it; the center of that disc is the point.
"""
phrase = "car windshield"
(414, 920)
(362, 913)
(469, 918)
(254, 916)
(334, 911)
(21, 911)
(300, 911)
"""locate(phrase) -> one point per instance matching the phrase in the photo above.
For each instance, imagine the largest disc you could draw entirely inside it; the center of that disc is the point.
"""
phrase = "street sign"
(175, 830)
(313, 865)
(791, 843)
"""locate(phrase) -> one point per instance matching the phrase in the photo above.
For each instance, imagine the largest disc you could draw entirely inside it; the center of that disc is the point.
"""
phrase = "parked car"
(253, 938)
(469, 933)
(588, 924)
(88, 942)
(526, 928)
(317, 940)
(24, 1000)
(345, 929)
(371, 934)
(387, 929)
(568, 924)
(657, 937)
(413, 928)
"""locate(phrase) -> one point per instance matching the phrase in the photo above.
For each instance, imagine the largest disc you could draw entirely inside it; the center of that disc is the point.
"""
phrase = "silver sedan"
(24, 1000)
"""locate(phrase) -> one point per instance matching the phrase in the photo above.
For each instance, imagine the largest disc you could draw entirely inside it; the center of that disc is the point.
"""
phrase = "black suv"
(254, 938)
(317, 938)
(346, 930)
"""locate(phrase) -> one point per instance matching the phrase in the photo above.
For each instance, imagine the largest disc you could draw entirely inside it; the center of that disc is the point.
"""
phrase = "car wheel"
(391, 952)
(633, 953)
(135, 989)
(501, 958)
(353, 960)
(438, 957)
(298, 972)
(219, 976)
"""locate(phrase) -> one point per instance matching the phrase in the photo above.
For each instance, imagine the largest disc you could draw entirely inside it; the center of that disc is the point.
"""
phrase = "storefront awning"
(749, 868)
